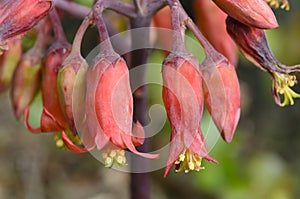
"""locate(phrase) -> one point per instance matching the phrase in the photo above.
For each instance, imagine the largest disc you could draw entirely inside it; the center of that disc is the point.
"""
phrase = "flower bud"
(109, 107)
(71, 78)
(211, 21)
(26, 82)
(256, 13)
(8, 63)
(183, 99)
(51, 65)
(18, 17)
(222, 97)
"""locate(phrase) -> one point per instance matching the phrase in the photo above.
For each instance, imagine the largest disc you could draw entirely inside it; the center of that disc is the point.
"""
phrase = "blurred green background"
(262, 162)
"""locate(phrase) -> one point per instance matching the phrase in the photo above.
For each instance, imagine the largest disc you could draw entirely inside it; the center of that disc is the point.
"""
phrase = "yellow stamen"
(282, 84)
(112, 157)
(284, 4)
(188, 161)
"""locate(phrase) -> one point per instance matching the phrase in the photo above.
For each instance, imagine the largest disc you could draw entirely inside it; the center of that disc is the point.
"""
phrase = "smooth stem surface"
(57, 27)
(72, 8)
(177, 40)
(106, 46)
(140, 182)
(79, 35)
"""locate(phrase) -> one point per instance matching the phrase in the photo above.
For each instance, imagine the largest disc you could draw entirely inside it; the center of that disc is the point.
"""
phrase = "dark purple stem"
(57, 27)
(140, 182)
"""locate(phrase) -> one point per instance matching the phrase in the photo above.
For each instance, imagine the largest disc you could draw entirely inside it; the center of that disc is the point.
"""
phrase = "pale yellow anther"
(104, 155)
(191, 165)
(108, 162)
(282, 84)
(121, 152)
(284, 4)
(113, 153)
(188, 161)
(112, 157)
(121, 160)
(181, 157)
(59, 143)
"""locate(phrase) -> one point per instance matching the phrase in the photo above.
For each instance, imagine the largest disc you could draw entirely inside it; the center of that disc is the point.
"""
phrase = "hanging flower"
(222, 97)
(109, 109)
(183, 99)
(252, 42)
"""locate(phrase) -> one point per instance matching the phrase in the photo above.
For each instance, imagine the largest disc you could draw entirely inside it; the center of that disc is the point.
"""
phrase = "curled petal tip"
(70, 145)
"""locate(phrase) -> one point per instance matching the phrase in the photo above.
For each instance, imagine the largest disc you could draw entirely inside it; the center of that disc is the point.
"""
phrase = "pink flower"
(183, 99)
(109, 110)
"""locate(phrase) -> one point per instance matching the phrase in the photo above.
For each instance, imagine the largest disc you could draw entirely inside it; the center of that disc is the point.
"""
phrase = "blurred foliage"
(261, 162)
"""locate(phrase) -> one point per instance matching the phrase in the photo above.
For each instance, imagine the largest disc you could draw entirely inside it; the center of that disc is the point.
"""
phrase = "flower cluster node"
(284, 4)
(188, 161)
(282, 84)
(112, 157)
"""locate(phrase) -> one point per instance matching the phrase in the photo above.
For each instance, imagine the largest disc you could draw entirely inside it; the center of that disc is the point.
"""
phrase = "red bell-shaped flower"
(183, 99)
(109, 108)
(222, 97)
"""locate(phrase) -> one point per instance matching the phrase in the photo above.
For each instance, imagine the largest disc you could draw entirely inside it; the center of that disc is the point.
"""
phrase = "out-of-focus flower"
(256, 13)
(27, 77)
(222, 97)
(26, 82)
(252, 42)
(8, 62)
(109, 109)
(52, 118)
(183, 99)
(18, 17)
(211, 21)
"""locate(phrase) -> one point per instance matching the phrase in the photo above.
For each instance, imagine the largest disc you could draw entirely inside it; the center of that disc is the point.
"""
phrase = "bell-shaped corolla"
(183, 99)
(109, 109)
(222, 96)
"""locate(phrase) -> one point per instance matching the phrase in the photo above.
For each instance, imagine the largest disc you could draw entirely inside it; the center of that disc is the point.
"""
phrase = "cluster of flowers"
(97, 100)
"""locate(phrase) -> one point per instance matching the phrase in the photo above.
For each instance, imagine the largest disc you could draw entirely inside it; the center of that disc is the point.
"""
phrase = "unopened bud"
(8, 63)
(254, 13)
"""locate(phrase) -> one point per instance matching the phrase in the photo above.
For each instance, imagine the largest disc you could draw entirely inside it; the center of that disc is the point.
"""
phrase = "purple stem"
(56, 25)
(79, 35)
(72, 8)
(106, 46)
(177, 40)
